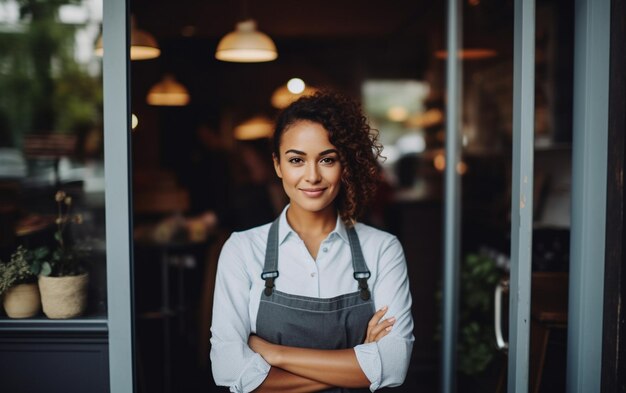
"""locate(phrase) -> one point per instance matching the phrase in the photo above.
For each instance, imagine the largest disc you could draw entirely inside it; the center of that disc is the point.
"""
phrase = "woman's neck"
(307, 223)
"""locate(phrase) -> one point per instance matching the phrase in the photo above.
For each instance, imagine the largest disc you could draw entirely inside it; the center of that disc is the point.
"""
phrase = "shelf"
(96, 324)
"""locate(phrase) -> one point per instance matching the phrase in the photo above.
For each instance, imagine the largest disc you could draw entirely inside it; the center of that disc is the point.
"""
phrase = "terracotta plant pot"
(63, 297)
(22, 301)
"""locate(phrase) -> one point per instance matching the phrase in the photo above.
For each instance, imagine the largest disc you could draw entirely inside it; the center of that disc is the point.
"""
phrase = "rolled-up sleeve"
(385, 363)
(233, 363)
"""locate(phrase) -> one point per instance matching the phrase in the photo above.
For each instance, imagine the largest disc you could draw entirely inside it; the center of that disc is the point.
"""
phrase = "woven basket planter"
(22, 301)
(63, 297)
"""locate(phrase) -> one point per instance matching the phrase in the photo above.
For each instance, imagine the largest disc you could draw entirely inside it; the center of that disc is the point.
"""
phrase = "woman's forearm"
(282, 381)
(336, 367)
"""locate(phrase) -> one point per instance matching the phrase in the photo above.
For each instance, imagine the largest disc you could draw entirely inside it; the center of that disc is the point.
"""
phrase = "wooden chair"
(549, 299)
(548, 312)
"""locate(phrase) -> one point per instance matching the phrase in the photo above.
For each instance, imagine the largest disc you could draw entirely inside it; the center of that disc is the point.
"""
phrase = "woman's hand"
(264, 348)
(377, 329)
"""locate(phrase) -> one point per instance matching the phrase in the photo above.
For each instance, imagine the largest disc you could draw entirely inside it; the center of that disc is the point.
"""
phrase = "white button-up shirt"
(239, 286)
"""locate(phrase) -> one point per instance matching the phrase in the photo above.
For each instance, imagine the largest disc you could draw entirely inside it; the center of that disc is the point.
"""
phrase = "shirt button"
(312, 274)
(325, 249)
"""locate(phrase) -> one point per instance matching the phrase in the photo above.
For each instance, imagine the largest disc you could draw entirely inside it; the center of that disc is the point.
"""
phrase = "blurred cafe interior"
(201, 169)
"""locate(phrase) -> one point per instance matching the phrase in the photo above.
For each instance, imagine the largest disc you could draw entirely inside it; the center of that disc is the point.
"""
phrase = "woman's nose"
(312, 173)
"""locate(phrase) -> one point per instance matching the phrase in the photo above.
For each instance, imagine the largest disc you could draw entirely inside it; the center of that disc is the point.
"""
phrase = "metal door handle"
(501, 287)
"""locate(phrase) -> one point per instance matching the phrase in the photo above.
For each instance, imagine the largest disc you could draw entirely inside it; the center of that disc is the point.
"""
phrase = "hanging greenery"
(45, 89)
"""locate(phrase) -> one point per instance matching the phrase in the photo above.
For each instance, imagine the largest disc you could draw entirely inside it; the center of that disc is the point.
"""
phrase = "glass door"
(545, 261)
(64, 260)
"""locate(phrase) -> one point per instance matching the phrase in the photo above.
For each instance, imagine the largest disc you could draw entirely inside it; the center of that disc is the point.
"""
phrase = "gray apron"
(310, 322)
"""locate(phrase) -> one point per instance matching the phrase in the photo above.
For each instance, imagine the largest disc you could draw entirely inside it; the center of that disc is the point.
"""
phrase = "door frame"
(117, 164)
(614, 349)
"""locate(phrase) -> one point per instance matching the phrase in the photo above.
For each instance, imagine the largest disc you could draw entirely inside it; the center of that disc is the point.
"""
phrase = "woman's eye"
(328, 160)
(296, 160)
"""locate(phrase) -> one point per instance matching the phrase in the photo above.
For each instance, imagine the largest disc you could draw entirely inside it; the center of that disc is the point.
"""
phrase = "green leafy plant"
(476, 338)
(67, 258)
(476, 345)
(46, 89)
(19, 269)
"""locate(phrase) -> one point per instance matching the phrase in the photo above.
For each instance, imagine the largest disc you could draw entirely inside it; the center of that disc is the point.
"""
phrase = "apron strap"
(270, 269)
(361, 272)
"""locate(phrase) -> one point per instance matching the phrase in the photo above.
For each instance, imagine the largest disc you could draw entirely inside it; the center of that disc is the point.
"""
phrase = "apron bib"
(309, 322)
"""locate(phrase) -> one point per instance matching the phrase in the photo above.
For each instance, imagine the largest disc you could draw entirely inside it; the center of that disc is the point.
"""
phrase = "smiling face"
(309, 167)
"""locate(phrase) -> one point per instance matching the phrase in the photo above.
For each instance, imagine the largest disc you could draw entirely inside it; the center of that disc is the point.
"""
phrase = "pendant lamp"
(469, 54)
(289, 92)
(475, 35)
(143, 45)
(168, 92)
(246, 45)
(254, 128)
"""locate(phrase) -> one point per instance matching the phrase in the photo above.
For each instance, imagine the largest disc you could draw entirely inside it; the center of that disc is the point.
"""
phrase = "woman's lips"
(313, 192)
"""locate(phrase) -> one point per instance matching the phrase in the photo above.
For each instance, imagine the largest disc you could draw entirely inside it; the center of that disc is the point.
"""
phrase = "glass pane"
(487, 163)
(202, 163)
(486, 135)
(51, 154)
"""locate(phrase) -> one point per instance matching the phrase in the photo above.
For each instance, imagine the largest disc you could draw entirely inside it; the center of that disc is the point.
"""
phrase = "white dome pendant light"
(168, 92)
(143, 45)
(246, 44)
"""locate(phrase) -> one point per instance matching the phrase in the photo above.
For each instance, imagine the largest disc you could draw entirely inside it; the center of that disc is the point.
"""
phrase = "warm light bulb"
(134, 121)
(296, 85)
(255, 128)
(440, 162)
(286, 94)
(461, 168)
(397, 113)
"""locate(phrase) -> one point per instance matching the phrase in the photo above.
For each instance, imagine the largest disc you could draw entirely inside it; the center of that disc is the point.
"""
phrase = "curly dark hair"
(351, 134)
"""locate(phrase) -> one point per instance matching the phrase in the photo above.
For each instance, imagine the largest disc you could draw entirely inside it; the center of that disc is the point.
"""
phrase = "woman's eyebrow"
(329, 151)
(295, 152)
(323, 153)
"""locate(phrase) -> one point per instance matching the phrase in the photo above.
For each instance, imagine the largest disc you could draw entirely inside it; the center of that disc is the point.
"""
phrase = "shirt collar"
(285, 230)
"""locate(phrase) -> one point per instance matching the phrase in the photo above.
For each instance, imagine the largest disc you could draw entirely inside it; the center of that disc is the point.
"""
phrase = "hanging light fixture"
(469, 54)
(143, 45)
(474, 36)
(254, 128)
(246, 45)
(430, 118)
(397, 113)
(168, 92)
(288, 93)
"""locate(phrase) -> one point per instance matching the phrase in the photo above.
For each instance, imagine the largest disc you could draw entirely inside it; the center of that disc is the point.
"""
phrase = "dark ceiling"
(284, 19)
(335, 43)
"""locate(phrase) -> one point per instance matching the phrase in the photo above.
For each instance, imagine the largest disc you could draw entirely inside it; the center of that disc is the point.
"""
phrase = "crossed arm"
(308, 370)
(244, 363)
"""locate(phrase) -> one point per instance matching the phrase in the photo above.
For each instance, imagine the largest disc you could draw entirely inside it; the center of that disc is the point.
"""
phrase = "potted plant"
(63, 278)
(18, 283)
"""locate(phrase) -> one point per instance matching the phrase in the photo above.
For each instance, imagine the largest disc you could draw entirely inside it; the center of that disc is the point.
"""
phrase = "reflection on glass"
(486, 128)
(51, 155)
(401, 111)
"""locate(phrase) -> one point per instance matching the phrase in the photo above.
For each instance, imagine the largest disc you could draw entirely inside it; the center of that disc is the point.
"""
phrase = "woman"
(295, 300)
